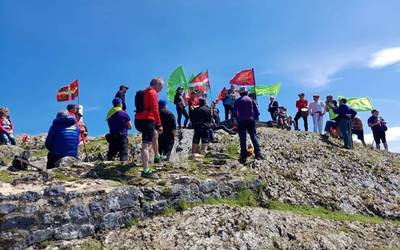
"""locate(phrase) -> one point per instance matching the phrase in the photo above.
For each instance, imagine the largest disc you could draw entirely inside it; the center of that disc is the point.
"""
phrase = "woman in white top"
(317, 111)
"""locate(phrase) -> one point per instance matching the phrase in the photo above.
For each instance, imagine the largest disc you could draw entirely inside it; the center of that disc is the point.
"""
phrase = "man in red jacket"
(302, 112)
(148, 122)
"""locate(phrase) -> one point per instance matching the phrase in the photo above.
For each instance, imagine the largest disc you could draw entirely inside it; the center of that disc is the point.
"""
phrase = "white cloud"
(392, 137)
(385, 57)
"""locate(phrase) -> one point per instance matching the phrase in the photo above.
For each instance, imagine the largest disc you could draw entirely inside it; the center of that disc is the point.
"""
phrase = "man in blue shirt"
(245, 110)
(119, 122)
(345, 114)
(378, 126)
(228, 102)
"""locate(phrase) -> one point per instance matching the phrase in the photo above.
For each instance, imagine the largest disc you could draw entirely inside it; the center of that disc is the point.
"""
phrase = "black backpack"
(139, 101)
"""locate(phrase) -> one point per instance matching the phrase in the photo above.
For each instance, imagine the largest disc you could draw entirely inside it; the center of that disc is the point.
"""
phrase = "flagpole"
(209, 82)
(255, 91)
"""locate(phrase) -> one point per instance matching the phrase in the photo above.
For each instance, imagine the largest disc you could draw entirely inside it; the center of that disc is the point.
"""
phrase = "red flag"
(221, 95)
(200, 83)
(244, 77)
(69, 92)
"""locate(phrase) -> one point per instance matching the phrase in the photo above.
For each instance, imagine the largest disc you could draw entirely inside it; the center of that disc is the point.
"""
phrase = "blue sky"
(343, 47)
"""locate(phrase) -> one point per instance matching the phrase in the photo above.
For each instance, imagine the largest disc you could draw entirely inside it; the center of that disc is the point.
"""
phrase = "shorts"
(359, 133)
(147, 128)
(379, 136)
(202, 135)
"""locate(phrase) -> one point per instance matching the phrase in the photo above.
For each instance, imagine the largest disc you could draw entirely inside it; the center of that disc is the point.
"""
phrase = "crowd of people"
(158, 125)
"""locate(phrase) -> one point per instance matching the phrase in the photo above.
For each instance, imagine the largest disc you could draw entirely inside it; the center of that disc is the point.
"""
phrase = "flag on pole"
(221, 95)
(200, 83)
(266, 90)
(192, 76)
(244, 77)
(69, 92)
(359, 103)
(177, 79)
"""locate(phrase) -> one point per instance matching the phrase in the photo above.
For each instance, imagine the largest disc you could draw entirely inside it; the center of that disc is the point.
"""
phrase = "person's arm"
(128, 121)
(50, 138)
(323, 108)
(154, 107)
(276, 105)
(255, 109)
(2, 129)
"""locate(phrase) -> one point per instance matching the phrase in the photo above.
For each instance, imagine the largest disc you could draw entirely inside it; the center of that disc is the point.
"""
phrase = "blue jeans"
(7, 139)
(344, 125)
(244, 128)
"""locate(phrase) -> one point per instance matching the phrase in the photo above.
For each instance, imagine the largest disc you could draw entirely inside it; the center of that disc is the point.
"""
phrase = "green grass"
(232, 149)
(132, 222)
(326, 214)
(59, 175)
(5, 176)
(386, 248)
(244, 198)
(169, 211)
(93, 245)
(39, 152)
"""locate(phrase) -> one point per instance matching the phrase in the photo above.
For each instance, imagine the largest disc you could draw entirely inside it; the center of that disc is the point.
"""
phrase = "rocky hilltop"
(306, 194)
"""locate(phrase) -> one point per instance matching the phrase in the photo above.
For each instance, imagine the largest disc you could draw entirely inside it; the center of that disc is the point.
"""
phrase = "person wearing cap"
(62, 139)
(345, 114)
(181, 107)
(317, 111)
(121, 94)
(301, 104)
(245, 111)
(273, 108)
(119, 123)
(202, 120)
(148, 122)
(167, 139)
(379, 128)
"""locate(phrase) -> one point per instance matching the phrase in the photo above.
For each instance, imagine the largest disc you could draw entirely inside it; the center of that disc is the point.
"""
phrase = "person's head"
(342, 101)
(117, 102)
(375, 113)
(62, 113)
(162, 104)
(157, 84)
(315, 97)
(123, 88)
(301, 96)
(280, 108)
(73, 108)
(272, 98)
(3, 111)
(329, 98)
(202, 102)
(233, 87)
(179, 90)
(243, 91)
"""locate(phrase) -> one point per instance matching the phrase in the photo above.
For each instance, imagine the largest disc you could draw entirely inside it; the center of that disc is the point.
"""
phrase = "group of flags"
(200, 83)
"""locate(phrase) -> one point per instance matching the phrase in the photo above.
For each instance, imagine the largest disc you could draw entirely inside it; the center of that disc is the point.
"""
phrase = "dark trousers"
(274, 116)
(182, 111)
(345, 128)
(296, 121)
(244, 128)
(329, 124)
(228, 112)
(117, 144)
(165, 145)
(52, 159)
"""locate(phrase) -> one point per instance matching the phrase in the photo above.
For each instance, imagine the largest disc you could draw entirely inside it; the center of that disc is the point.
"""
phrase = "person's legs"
(344, 128)
(320, 124)
(242, 138)
(227, 110)
(3, 139)
(315, 123)
(124, 149)
(305, 119)
(168, 148)
(296, 120)
(112, 148)
(51, 160)
(11, 139)
(154, 144)
(179, 113)
(195, 142)
(205, 138)
(383, 139)
(145, 154)
(251, 129)
(186, 115)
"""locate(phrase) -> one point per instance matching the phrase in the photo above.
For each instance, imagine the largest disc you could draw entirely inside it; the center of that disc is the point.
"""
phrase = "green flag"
(192, 77)
(269, 90)
(359, 104)
(177, 79)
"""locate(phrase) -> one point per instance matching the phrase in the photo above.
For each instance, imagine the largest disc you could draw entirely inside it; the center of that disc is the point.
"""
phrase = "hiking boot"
(260, 157)
(150, 175)
(242, 161)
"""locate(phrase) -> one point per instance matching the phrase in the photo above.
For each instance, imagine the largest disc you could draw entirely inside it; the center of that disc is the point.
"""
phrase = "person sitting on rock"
(345, 114)
(167, 139)
(62, 139)
(6, 127)
(331, 125)
(284, 120)
(202, 120)
(118, 122)
(357, 129)
(245, 112)
(379, 128)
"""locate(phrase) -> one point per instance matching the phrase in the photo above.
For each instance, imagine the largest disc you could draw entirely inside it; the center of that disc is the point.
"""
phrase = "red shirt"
(301, 104)
(194, 101)
(151, 111)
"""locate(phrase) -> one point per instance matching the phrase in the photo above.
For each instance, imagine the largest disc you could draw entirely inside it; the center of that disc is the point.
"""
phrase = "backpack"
(139, 101)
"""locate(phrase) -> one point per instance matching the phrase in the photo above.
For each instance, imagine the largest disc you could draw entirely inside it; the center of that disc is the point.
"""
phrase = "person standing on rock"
(345, 114)
(121, 94)
(379, 128)
(62, 139)
(179, 102)
(228, 102)
(246, 111)
(6, 127)
(330, 105)
(302, 112)
(148, 122)
(202, 120)
(167, 139)
(317, 111)
(273, 108)
(118, 122)
(358, 129)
